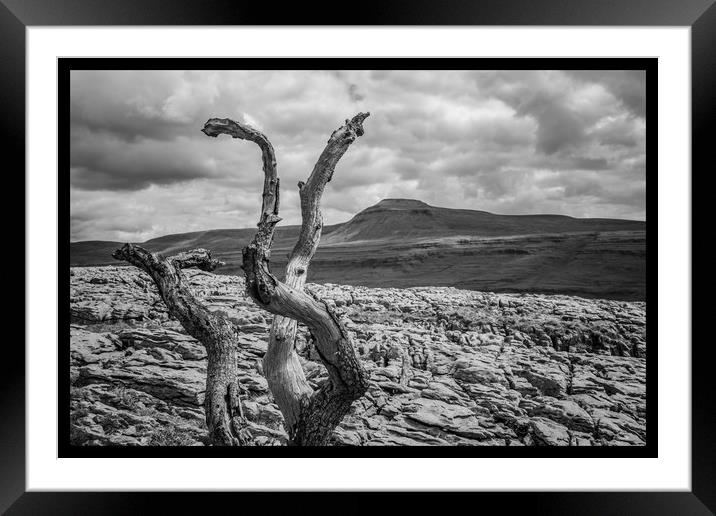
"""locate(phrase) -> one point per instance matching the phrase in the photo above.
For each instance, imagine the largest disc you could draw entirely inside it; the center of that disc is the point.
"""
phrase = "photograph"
(270, 254)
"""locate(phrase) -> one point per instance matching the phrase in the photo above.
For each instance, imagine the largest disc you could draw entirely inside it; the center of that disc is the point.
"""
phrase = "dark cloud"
(560, 124)
(354, 94)
(629, 86)
(127, 106)
(110, 165)
(502, 141)
(590, 163)
(558, 127)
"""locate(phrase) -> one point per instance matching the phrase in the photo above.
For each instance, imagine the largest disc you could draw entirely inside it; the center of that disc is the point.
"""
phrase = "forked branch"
(310, 416)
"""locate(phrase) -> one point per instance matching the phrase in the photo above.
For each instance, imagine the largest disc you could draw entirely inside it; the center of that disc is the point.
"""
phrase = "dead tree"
(310, 416)
(216, 332)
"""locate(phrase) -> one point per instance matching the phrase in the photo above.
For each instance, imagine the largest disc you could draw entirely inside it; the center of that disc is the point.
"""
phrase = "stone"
(548, 433)
(566, 412)
(447, 366)
(187, 347)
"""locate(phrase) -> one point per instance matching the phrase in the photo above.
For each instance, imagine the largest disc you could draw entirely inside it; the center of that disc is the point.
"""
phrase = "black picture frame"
(66, 65)
(700, 15)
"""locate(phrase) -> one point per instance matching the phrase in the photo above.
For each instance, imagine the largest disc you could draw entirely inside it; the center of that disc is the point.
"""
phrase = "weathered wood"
(281, 365)
(217, 126)
(198, 258)
(218, 335)
(310, 416)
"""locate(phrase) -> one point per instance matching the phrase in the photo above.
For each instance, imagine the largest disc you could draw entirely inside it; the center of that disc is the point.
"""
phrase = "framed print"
(471, 268)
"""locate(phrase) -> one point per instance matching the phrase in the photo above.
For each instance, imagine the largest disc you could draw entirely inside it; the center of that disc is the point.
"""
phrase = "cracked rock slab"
(447, 367)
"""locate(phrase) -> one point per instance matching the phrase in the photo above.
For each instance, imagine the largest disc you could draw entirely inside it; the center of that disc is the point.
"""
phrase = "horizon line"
(372, 205)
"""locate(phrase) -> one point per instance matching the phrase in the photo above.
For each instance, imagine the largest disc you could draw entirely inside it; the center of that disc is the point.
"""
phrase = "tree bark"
(219, 336)
(310, 416)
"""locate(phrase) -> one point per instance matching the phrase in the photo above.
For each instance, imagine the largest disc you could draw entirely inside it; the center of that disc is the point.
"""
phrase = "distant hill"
(407, 219)
(405, 242)
(219, 241)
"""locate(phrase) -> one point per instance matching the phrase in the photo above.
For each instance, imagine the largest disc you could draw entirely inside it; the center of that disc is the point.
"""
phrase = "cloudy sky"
(510, 142)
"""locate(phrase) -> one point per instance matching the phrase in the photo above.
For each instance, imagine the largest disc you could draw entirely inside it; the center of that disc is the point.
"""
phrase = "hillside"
(408, 243)
(408, 219)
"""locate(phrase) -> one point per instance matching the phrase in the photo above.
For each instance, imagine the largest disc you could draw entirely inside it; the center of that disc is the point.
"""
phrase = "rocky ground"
(447, 366)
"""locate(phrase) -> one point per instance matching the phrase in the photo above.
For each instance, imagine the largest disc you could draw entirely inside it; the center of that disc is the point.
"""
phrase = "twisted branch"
(219, 336)
(310, 416)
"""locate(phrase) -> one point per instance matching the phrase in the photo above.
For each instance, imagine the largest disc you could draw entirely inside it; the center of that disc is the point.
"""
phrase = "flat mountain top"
(399, 204)
(406, 219)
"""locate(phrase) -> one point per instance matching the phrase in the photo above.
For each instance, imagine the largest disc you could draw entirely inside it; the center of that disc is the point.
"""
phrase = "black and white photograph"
(408, 257)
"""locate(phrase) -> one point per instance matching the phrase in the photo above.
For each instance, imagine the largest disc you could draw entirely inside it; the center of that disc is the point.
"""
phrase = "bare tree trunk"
(310, 416)
(218, 335)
